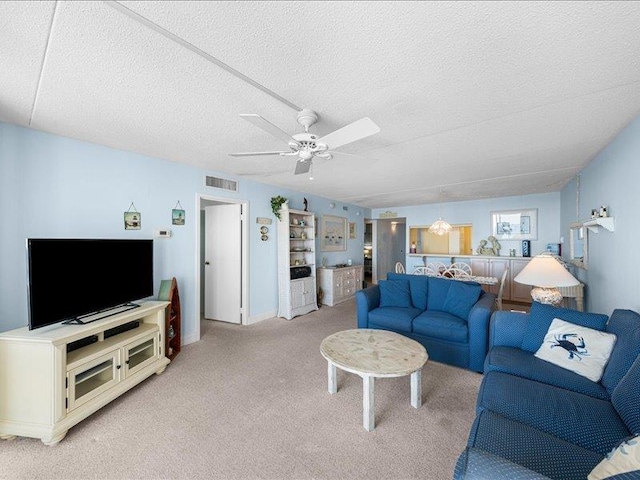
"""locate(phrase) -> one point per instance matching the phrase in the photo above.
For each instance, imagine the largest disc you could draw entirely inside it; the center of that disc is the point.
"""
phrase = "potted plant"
(276, 204)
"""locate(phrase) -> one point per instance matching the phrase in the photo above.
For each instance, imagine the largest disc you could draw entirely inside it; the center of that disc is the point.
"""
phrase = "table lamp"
(545, 274)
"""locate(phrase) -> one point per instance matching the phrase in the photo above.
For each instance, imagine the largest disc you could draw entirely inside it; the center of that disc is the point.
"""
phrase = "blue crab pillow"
(579, 349)
(625, 458)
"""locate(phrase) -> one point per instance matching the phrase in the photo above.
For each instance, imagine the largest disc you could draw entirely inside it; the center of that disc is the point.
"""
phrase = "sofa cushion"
(625, 458)
(435, 324)
(461, 297)
(591, 423)
(393, 318)
(437, 294)
(419, 286)
(625, 324)
(524, 364)
(582, 350)
(395, 293)
(476, 464)
(531, 448)
(541, 316)
(626, 397)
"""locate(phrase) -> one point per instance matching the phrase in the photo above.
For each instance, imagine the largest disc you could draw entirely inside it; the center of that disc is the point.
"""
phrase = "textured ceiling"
(474, 99)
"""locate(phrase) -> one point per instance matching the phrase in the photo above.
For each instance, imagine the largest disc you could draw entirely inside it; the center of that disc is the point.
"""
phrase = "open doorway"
(390, 243)
(222, 266)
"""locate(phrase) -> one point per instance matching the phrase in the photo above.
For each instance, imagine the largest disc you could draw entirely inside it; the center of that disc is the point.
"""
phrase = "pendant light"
(440, 226)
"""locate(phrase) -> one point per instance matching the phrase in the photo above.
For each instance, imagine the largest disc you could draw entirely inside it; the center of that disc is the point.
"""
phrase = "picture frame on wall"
(132, 220)
(352, 230)
(515, 224)
(333, 236)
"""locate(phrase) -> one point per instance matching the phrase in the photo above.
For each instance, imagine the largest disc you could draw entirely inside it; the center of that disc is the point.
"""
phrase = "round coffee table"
(370, 354)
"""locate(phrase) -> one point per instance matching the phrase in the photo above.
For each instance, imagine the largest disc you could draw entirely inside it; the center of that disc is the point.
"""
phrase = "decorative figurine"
(306, 204)
(494, 249)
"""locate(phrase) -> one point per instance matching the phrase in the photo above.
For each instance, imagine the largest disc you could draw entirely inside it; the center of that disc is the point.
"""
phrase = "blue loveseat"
(450, 318)
(536, 419)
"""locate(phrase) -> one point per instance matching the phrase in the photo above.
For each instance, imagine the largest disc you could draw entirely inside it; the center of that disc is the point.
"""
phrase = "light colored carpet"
(252, 402)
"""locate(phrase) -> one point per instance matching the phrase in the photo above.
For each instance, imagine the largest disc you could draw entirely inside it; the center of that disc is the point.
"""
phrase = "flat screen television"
(72, 278)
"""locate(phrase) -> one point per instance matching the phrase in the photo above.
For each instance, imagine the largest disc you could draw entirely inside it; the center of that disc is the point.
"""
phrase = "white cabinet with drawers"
(339, 284)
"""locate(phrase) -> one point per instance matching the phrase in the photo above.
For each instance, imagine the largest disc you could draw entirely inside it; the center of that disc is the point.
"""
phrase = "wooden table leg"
(368, 406)
(333, 383)
(416, 388)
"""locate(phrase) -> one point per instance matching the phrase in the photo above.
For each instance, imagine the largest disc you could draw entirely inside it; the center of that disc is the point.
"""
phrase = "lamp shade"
(545, 271)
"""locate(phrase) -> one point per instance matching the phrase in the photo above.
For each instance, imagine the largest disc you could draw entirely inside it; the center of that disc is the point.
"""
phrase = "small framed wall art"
(334, 234)
(132, 218)
(515, 224)
(177, 214)
(352, 230)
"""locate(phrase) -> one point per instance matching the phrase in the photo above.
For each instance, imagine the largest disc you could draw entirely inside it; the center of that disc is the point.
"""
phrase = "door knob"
(207, 263)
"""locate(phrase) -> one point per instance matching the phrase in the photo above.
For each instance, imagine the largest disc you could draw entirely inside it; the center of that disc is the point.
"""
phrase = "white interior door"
(223, 263)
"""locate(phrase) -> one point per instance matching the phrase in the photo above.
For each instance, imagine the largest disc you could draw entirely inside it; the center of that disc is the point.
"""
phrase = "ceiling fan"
(307, 145)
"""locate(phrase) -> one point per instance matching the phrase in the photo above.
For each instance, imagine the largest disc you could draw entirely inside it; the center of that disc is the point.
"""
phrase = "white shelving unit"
(595, 224)
(296, 248)
(47, 385)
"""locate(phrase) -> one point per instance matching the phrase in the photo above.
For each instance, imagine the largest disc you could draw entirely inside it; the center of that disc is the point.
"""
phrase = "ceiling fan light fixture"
(440, 227)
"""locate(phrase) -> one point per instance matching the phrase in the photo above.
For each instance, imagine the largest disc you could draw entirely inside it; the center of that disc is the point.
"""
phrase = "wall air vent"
(221, 183)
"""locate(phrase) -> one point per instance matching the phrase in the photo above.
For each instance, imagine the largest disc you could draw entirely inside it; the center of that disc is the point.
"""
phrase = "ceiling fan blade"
(268, 127)
(302, 166)
(254, 154)
(350, 133)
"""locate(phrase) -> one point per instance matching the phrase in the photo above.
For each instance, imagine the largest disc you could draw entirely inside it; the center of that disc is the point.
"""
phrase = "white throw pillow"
(582, 350)
(625, 458)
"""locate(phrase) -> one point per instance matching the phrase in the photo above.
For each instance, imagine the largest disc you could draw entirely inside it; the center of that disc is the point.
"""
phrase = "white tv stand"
(44, 391)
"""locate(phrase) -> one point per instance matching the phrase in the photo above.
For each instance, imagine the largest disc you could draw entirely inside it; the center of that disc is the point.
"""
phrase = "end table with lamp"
(546, 274)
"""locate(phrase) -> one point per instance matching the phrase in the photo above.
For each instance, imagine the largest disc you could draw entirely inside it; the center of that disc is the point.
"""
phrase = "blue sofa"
(450, 318)
(536, 419)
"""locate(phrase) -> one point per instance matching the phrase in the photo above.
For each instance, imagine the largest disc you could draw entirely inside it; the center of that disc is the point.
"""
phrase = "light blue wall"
(52, 186)
(611, 179)
(478, 214)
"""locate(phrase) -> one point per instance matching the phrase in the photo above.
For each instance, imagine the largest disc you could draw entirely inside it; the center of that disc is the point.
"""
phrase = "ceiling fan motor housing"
(306, 118)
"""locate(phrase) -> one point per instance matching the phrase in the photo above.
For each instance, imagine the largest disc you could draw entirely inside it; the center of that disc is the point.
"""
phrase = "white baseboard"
(189, 339)
(263, 316)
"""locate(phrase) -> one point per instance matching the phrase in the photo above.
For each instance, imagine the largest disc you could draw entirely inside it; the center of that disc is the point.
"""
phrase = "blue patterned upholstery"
(447, 336)
(586, 421)
(476, 464)
(393, 318)
(625, 324)
(418, 284)
(433, 323)
(626, 397)
(541, 316)
(461, 298)
(542, 417)
(437, 294)
(531, 448)
(507, 328)
(524, 364)
(635, 475)
(395, 293)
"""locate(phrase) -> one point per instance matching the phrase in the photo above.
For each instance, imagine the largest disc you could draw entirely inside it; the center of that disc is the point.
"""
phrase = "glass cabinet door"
(140, 353)
(91, 379)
